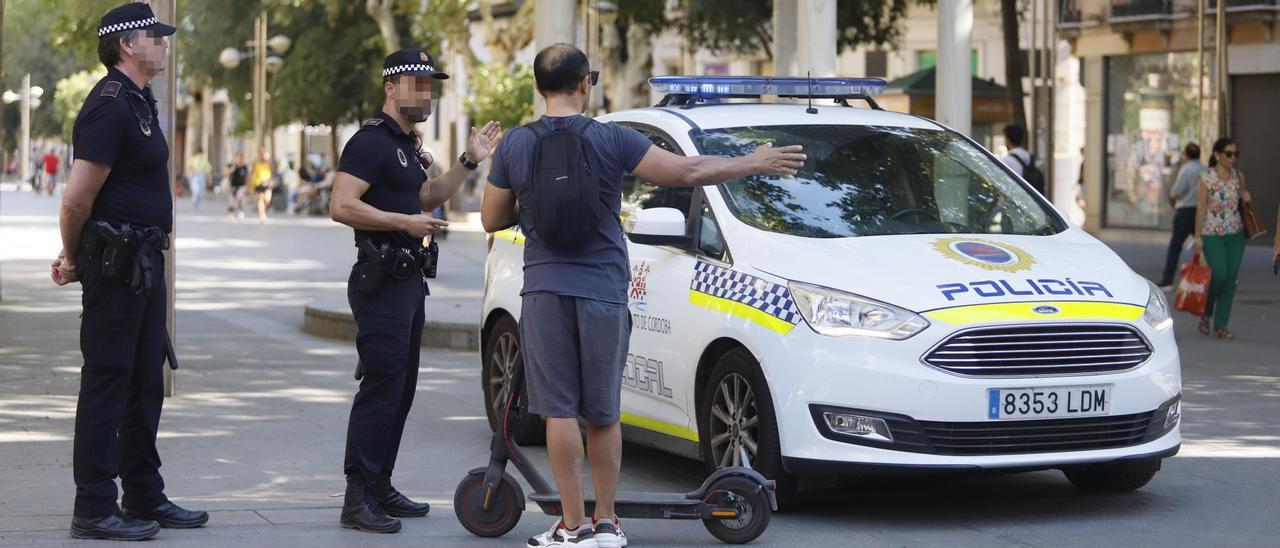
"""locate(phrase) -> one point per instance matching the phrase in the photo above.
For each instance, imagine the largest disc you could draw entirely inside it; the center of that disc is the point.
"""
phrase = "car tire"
(501, 356)
(756, 420)
(1112, 477)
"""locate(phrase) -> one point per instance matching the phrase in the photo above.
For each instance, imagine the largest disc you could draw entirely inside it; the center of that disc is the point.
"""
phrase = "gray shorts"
(574, 351)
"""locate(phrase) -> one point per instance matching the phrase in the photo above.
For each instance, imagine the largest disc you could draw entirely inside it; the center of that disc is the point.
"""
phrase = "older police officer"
(381, 190)
(117, 214)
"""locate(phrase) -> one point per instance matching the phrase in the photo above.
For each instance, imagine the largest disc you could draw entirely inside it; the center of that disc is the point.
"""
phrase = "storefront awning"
(915, 93)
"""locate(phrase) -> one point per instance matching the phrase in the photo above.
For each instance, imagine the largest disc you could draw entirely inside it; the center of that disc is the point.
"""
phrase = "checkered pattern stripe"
(127, 25)
(405, 68)
(765, 296)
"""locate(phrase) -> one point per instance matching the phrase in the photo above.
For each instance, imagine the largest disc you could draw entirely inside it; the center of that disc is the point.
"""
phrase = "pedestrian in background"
(51, 162)
(1183, 197)
(198, 170)
(237, 176)
(1220, 233)
(260, 184)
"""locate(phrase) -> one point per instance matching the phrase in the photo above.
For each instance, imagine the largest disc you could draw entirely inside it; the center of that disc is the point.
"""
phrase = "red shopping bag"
(1193, 289)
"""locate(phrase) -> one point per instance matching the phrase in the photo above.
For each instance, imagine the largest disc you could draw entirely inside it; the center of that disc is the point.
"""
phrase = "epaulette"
(373, 122)
(111, 89)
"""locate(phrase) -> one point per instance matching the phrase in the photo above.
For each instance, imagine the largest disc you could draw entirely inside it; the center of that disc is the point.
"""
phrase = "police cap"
(135, 15)
(411, 61)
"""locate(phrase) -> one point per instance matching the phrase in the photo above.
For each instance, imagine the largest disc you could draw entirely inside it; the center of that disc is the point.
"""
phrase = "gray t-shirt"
(1187, 184)
(599, 270)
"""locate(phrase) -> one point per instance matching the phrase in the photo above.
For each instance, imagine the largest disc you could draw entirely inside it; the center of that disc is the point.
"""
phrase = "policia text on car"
(116, 217)
(381, 190)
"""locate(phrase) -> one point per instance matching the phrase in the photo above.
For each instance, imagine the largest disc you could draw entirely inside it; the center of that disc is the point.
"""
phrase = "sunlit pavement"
(255, 432)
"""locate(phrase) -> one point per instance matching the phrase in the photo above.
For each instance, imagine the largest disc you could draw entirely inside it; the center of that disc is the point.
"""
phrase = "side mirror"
(658, 226)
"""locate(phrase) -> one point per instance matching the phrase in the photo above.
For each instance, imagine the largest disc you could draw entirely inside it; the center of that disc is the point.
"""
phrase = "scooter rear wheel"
(504, 512)
(752, 503)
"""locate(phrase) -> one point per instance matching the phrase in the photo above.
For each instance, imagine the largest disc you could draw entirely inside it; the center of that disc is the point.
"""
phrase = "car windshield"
(871, 181)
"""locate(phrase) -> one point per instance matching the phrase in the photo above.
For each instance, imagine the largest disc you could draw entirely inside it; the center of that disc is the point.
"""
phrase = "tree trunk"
(381, 12)
(333, 144)
(1013, 60)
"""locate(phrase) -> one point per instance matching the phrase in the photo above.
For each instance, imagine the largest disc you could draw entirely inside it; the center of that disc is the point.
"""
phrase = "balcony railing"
(1141, 9)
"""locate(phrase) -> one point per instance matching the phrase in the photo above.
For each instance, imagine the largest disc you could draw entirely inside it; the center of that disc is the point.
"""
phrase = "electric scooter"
(734, 504)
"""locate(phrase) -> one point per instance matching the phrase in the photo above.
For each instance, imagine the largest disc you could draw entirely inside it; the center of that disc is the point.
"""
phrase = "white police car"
(905, 301)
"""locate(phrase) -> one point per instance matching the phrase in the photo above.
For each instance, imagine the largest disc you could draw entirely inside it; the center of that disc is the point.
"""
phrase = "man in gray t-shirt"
(574, 324)
(1182, 196)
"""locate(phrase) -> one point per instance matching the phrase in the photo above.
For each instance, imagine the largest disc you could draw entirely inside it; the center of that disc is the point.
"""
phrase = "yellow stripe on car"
(510, 235)
(1066, 310)
(659, 426)
(734, 308)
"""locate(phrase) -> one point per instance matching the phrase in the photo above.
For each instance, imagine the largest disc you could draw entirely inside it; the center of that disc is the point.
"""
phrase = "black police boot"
(113, 527)
(361, 511)
(395, 503)
(170, 516)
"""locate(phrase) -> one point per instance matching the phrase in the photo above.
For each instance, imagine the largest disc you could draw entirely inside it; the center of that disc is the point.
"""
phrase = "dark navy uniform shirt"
(386, 157)
(111, 130)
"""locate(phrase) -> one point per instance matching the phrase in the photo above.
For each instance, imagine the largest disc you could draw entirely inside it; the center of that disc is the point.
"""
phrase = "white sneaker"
(558, 536)
(609, 534)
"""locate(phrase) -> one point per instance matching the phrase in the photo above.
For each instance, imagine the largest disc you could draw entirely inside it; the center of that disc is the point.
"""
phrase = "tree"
(69, 97)
(748, 27)
(333, 71)
(29, 24)
(1013, 69)
(501, 93)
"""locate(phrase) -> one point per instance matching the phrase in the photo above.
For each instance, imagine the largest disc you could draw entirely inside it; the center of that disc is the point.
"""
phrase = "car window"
(638, 194)
(710, 241)
(868, 181)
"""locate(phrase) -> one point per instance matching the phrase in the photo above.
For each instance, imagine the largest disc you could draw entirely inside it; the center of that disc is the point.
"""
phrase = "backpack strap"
(539, 128)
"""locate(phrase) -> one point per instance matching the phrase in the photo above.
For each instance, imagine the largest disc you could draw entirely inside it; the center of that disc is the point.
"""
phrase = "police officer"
(381, 190)
(116, 217)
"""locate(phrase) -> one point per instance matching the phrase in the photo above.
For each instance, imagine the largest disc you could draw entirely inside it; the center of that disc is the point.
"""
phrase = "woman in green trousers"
(1220, 233)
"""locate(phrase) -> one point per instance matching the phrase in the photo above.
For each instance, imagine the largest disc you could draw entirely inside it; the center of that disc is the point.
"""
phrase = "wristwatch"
(466, 162)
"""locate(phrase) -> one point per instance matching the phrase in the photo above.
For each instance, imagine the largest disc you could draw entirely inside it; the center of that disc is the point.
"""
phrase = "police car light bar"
(698, 88)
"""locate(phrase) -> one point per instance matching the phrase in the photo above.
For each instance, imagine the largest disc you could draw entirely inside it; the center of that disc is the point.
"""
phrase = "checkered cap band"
(406, 68)
(763, 295)
(127, 25)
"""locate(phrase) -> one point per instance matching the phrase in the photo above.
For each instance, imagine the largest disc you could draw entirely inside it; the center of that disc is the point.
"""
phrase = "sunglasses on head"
(1230, 153)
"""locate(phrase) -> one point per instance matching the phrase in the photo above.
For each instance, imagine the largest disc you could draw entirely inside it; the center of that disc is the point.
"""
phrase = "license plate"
(1048, 403)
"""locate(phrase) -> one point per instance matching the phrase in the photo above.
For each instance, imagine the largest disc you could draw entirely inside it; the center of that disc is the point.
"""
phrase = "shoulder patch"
(373, 122)
(111, 89)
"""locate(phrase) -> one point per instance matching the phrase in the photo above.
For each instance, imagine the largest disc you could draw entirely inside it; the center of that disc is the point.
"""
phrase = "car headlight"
(1157, 312)
(837, 314)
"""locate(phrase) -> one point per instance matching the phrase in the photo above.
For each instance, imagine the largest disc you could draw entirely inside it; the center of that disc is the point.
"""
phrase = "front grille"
(1041, 350)
(1039, 436)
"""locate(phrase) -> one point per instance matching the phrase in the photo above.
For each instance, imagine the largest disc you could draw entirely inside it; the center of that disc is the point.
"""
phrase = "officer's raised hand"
(422, 225)
(482, 142)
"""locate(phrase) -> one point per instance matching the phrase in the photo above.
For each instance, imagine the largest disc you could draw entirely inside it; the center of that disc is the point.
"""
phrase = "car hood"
(934, 271)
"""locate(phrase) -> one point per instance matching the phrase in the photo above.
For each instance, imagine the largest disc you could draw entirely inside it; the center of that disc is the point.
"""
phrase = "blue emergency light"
(689, 90)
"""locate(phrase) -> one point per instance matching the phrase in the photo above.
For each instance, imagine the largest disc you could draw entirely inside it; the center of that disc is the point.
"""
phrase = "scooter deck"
(633, 505)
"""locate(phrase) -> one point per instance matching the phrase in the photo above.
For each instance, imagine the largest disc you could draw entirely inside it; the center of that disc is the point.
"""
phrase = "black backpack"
(1032, 174)
(566, 208)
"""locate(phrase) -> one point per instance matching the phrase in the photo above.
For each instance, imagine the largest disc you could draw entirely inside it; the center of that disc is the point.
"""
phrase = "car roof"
(716, 116)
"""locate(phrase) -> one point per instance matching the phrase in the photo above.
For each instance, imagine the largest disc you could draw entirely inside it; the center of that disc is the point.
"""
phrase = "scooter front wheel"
(505, 508)
(749, 500)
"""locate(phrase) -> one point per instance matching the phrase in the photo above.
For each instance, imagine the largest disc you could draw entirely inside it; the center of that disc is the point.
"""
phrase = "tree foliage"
(501, 93)
(748, 26)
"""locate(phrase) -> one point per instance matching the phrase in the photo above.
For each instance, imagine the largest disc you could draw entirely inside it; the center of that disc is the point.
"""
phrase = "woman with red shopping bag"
(1220, 234)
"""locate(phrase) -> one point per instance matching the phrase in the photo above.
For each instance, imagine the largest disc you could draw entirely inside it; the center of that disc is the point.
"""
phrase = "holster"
(372, 264)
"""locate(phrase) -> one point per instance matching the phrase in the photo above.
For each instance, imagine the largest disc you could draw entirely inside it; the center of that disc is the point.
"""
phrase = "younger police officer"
(116, 217)
(381, 190)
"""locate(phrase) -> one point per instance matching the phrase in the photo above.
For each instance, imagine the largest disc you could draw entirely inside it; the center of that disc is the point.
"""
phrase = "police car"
(903, 302)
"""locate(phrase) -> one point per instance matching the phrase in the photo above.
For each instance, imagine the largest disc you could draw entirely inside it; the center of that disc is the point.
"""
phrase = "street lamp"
(29, 98)
(262, 64)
